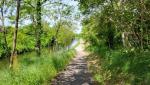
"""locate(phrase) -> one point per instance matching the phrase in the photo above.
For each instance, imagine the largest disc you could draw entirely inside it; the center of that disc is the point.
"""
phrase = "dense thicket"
(119, 32)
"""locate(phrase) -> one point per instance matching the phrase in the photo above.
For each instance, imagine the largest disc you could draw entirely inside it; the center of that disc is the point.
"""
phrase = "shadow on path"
(76, 72)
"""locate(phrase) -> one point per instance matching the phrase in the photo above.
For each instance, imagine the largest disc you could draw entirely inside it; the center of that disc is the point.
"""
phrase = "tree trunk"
(38, 27)
(13, 55)
(58, 29)
(142, 23)
(110, 36)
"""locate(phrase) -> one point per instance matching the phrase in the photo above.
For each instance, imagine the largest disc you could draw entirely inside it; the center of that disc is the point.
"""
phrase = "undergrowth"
(120, 67)
(36, 70)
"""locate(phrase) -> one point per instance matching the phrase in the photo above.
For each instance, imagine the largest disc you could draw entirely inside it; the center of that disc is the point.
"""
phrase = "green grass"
(36, 70)
(126, 66)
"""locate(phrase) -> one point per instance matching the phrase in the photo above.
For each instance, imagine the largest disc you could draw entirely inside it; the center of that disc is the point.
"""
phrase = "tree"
(13, 55)
(36, 17)
(2, 10)
(62, 14)
(38, 26)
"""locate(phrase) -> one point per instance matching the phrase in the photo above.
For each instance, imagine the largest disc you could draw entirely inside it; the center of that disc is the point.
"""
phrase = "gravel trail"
(76, 73)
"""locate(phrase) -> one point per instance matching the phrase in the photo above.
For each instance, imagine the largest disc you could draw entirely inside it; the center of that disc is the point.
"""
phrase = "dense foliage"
(48, 33)
(118, 32)
(26, 41)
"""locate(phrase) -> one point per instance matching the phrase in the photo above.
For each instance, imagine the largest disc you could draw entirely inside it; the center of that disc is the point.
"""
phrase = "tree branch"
(29, 4)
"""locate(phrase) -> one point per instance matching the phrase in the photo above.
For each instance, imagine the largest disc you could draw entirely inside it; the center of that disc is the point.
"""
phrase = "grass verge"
(36, 70)
(120, 67)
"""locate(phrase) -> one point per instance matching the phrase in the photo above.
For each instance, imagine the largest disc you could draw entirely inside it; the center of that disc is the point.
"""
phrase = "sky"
(75, 4)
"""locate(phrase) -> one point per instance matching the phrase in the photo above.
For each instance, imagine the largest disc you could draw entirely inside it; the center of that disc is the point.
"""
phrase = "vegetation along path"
(76, 72)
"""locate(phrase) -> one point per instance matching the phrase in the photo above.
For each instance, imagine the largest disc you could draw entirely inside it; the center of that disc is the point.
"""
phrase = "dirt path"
(76, 72)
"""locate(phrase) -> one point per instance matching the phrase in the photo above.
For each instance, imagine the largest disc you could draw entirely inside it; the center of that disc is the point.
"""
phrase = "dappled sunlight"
(76, 73)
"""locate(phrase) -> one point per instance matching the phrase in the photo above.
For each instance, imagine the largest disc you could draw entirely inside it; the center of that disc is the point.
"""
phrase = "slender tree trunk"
(56, 36)
(142, 13)
(13, 55)
(147, 42)
(38, 27)
(4, 30)
(59, 27)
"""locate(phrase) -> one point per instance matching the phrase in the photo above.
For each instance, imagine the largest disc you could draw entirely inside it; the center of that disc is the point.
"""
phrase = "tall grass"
(121, 66)
(36, 70)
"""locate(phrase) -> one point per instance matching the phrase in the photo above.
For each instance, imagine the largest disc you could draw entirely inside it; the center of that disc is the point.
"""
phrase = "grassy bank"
(120, 67)
(36, 70)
